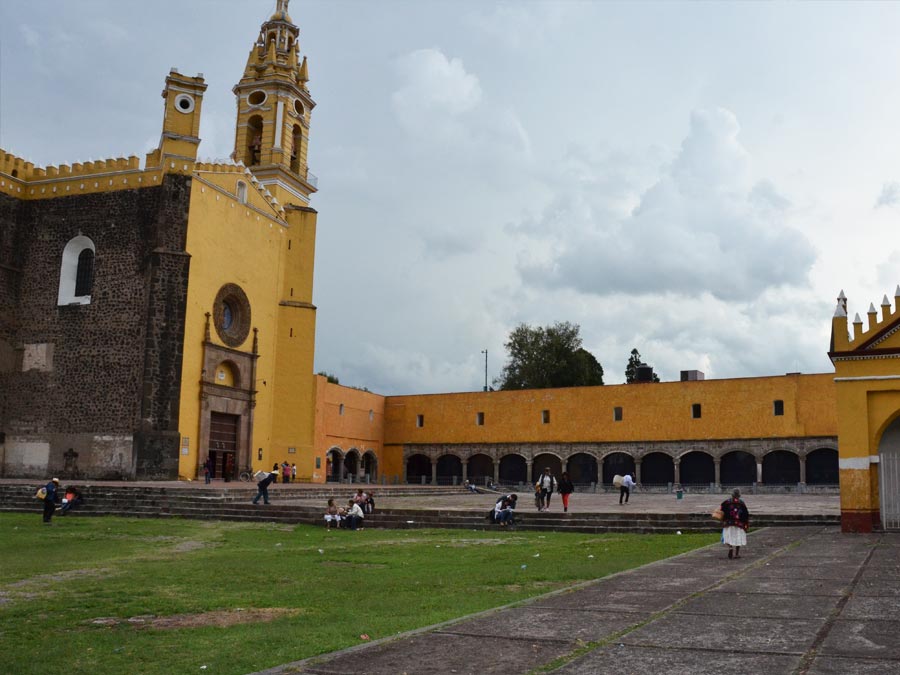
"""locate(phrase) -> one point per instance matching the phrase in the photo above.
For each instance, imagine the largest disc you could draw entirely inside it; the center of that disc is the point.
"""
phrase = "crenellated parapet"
(872, 336)
(22, 179)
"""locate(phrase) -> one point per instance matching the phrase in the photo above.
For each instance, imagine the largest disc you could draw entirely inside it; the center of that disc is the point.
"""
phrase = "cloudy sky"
(695, 180)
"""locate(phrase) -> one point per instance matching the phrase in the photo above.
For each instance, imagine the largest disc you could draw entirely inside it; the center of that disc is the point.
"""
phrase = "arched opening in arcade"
(616, 464)
(582, 468)
(889, 476)
(822, 467)
(545, 461)
(334, 464)
(697, 468)
(449, 470)
(657, 468)
(513, 469)
(480, 469)
(418, 469)
(737, 468)
(781, 467)
(370, 465)
(351, 464)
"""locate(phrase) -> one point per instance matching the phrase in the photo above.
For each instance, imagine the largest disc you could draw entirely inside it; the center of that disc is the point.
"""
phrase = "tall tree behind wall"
(545, 357)
(631, 368)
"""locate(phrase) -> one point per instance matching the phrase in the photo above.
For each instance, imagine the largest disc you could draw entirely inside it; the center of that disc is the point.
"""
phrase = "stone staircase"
(290, 505)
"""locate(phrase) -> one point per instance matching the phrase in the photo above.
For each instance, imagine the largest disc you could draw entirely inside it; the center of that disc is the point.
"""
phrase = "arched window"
(76, 273)
(242, 192)
(84, 273)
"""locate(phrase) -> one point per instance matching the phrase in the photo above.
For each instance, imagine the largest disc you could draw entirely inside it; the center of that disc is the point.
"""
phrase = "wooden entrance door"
(223, 443)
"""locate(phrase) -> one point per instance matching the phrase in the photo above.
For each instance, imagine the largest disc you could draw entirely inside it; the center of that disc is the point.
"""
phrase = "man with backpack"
(50, 497)
(263, 485)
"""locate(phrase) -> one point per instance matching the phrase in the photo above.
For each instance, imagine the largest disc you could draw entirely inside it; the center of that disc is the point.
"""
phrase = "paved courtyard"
(640, 502)
(800, 601)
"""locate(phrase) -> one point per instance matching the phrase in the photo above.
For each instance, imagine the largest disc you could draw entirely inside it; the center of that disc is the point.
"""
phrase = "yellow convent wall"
(729, 409)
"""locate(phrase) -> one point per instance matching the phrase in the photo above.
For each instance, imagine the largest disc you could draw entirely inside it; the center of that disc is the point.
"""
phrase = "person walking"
(546, 484)
(285, 472)
(735, 521)
(566, 488)
(50, 499)
(207, 470)
(625, 488)
(262, 486)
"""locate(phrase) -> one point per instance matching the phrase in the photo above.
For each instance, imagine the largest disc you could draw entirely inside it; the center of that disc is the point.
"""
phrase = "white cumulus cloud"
(704, 226)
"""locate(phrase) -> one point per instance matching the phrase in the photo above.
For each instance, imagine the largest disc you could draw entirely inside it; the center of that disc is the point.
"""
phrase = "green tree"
(544, 357)
(631, 369)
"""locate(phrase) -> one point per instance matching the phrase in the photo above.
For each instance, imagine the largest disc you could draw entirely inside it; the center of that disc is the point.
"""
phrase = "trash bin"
(679, 494)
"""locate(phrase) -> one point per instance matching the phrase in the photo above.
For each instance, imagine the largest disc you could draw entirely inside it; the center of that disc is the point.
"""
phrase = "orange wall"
(361, 426)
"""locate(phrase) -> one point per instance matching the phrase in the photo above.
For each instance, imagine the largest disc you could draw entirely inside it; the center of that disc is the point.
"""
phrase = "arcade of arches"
(357, 466)
(811, 461)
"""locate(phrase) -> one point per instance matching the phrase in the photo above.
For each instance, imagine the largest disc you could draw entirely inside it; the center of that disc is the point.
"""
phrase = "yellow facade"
(867, 374)
(738, 408)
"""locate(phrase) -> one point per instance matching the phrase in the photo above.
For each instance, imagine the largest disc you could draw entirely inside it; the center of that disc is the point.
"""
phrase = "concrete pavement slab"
(732, 633)
(539, 623)
(833, 665)
(647, 580)
(777, 570)
(749, 584)
(867, 607)
(601, 598)
(761, 605)
(628, 660)
(872, 584)
(440, 654)
(863, 639)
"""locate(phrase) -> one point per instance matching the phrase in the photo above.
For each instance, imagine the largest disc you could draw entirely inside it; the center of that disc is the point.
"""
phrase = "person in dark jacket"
(51, 499)
(71, 500)
(566, 488)
(263, 486)
(735, 521)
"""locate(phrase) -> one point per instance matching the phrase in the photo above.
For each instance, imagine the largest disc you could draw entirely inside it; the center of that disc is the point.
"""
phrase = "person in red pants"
(565, 489)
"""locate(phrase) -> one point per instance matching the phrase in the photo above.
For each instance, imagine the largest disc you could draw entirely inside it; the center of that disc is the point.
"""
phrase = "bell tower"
(273, 112)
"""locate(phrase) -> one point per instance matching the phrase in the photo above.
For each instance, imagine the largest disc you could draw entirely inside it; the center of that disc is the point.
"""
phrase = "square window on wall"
(479, 419)
(617, 413)
(545, 417)
(778, 407)
(695, 411)
(420, 421)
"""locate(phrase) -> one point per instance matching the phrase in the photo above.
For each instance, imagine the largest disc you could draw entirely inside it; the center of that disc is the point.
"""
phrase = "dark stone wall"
(116, 362)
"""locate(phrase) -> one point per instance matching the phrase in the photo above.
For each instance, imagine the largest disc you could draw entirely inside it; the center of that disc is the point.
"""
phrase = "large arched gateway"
(889, 476)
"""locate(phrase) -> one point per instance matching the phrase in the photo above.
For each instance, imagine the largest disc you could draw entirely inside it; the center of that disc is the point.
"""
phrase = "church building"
(127, 348)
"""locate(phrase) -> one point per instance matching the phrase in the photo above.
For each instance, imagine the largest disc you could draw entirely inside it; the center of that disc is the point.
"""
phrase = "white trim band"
(867, 378)
(857, 463)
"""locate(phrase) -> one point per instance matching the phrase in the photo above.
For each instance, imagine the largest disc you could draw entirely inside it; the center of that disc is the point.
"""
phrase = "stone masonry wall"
(101, 379)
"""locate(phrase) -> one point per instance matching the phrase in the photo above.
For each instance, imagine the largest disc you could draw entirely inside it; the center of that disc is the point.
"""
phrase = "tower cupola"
(274, 109)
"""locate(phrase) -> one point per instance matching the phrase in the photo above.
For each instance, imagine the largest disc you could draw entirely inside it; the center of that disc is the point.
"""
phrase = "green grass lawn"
(116, 595)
